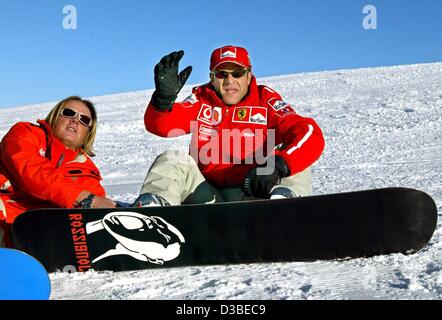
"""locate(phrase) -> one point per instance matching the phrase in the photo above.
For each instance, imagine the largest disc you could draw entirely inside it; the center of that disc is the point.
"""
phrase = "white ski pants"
(175, 176)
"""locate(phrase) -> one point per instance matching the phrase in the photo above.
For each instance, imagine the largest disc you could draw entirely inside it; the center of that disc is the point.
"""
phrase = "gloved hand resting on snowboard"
(259, 185)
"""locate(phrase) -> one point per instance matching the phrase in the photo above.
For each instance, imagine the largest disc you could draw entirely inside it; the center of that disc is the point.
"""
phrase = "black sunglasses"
(84, 119)
(221, 74)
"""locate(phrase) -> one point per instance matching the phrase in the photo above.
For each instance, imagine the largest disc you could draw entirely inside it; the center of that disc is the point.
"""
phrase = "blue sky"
(117, 43)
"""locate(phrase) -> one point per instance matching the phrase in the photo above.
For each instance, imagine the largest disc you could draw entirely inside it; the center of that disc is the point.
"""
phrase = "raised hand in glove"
(168, 82)
(259, 185)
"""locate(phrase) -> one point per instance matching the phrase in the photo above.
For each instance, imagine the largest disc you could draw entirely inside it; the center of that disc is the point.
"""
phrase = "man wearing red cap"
(247, 141)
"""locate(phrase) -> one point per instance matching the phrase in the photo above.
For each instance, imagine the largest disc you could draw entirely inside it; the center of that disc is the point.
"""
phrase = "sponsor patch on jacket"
(277, 104)
(210, 115)
(191, 99)
(257, 115)
(208, 131)
(242, 114)
(217, 116)
(286, 111)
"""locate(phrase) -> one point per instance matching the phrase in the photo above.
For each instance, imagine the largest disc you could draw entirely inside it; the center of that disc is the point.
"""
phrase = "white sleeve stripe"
(268, 89)
(303, 140)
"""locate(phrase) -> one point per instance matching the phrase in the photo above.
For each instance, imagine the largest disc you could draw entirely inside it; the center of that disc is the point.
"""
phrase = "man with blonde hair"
(48, 164)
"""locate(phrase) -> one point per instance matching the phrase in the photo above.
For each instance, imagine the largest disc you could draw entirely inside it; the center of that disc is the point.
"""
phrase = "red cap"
(232, 54)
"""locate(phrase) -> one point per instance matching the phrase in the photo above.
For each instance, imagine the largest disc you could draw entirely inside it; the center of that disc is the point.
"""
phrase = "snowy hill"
(383, 128)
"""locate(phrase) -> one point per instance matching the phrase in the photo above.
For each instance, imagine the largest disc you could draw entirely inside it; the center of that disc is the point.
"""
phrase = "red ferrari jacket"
(228, 141)
(37, 171)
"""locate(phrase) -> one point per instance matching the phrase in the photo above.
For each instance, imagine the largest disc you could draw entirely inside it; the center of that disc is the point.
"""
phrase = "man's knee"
(175, 157)
(300, 183)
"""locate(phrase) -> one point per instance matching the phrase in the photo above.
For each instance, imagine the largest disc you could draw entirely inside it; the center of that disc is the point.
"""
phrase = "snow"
(383, 128)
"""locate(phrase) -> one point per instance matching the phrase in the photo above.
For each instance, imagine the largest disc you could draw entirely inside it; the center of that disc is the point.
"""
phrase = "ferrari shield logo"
(242, 113)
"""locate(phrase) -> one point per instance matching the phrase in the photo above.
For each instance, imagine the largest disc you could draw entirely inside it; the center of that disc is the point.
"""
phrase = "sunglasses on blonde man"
(71, 114)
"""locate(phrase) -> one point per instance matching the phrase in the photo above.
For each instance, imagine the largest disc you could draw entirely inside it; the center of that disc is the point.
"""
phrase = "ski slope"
(383, 128)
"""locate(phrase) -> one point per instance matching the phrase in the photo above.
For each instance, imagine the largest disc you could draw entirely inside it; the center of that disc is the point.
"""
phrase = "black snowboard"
(347, 225)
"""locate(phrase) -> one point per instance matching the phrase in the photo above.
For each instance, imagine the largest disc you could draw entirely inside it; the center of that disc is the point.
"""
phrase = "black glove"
(168, 82)
(259, 186)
